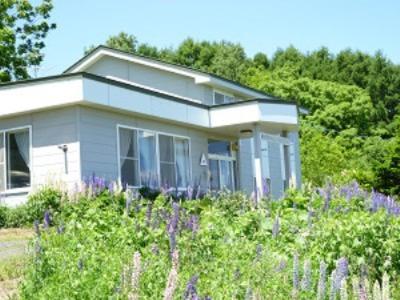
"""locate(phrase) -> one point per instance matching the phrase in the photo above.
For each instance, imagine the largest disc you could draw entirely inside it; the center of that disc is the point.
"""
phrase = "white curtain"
(126, 143)
(22, 140)
(147, 154)
(167, 160)
(182, 162)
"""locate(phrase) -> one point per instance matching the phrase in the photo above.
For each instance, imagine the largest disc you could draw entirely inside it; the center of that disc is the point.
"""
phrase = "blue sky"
(259, 25)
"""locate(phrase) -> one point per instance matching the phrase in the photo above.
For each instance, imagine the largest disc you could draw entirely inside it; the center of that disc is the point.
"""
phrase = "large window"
(139, 163)
(174, 161)
(15, 170)
(137, 154)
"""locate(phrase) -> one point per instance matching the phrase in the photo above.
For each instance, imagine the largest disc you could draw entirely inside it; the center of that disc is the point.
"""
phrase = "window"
(138, 159)
(222, 165)
(174, 161)
(221, 98)
(148, 158)
(15, 170)
(129, 161)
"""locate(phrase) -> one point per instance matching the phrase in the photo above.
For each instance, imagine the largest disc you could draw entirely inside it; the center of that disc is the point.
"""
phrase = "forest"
(352, 131)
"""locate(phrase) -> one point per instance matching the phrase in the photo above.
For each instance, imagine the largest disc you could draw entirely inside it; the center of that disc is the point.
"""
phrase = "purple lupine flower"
(296, 284)
(327, 195)
(265, 187)
(172, 226)
(322, 281)
(47, 219)
(37, 228)
(111, 188)
(189, 193)
(276, 227)
(191, 291)
(342, 271)
(306, 282)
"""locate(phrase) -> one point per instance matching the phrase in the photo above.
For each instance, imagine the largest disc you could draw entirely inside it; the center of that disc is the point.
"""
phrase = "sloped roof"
(199, 75)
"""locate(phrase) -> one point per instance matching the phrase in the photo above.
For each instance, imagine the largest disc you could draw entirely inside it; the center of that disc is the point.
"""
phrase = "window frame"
(4, 132)
(158, 165)
(225, 94)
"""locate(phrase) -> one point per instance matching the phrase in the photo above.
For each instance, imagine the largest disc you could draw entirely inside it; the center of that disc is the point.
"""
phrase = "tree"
(23, 28)
(123, 41)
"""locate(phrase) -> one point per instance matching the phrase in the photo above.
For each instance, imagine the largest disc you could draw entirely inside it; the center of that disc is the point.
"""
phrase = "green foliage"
(17, 217)
(46, 198)
(22, 32)
(236, 247)
(3, 215)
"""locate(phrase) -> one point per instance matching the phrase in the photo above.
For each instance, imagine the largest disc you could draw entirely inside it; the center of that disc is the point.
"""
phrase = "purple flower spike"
(342, 271)
(191, 291)
(296, 283)
(276, 228)
(47, 219)
(37, 228)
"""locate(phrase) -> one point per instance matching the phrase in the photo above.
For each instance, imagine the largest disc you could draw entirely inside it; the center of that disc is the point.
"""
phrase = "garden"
(105, 243)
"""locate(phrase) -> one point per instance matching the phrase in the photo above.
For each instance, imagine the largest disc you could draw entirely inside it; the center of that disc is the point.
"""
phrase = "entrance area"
(222, 165)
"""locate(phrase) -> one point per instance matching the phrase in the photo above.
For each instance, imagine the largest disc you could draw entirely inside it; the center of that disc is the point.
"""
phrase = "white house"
(134, 119)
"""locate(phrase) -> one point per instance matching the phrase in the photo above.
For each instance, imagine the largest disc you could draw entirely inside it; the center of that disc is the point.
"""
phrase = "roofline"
(144, 90)
(214, 76)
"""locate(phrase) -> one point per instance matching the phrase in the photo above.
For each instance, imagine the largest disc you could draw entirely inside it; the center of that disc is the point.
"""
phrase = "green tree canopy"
(23, 28)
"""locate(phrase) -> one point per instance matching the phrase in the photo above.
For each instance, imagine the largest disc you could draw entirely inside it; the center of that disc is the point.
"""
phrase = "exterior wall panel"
(99, 142)
(48, 164)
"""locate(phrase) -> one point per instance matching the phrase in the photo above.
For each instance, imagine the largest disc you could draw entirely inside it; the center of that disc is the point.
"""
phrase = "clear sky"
(259, 25)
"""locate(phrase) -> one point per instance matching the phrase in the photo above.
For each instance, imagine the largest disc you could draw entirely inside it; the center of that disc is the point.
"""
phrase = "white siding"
(154, 78)
(49, 130)
(98, 132)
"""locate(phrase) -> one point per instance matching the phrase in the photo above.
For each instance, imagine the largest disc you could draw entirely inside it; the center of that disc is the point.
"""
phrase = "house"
(138, 120)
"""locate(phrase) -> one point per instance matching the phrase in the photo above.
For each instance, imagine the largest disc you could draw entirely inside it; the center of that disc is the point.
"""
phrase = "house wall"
(48, 164)
(158, 79)
(98, 136)
(271, 150)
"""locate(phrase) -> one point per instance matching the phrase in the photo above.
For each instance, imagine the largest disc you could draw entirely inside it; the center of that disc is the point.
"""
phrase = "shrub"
(18, 217)
(3, 215)
(46, 198)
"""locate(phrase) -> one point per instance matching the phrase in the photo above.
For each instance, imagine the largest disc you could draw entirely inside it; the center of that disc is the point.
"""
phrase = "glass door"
(222, 173)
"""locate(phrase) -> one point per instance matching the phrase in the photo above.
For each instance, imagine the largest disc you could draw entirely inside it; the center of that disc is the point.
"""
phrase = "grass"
(15, 234)
(12, 259)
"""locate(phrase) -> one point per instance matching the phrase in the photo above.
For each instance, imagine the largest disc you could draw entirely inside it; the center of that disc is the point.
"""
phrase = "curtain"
(22, 140)
(167, 161)
(147, 154)
(127, 143)
(182, 162)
